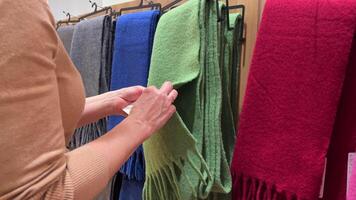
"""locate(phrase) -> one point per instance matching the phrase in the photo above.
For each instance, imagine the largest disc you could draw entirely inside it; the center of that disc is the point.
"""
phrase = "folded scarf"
(187, 158)
(229, 60)
(90, 53)
(351, 195)
(235, 68)
(66, 35)
(343, 140)
(229, 64)
(293, 91)
(132, 55)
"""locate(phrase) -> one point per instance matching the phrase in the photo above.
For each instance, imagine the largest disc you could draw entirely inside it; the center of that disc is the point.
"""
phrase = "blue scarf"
(132, 54)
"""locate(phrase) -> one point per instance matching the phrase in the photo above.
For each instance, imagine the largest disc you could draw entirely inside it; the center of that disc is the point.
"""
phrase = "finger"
(166, 88)
(131, 94)
(170, 112)
(172, 95)
(167, 115)
(151, 89)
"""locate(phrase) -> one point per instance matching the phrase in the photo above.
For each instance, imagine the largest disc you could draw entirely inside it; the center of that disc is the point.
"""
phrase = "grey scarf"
(66, 35)
(91, 53)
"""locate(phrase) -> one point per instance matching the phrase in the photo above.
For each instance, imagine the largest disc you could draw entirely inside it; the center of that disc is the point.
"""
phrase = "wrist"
(143, 130)
(110, 103)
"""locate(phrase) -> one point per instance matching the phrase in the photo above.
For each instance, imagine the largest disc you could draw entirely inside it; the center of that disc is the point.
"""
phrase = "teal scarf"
(189, 157)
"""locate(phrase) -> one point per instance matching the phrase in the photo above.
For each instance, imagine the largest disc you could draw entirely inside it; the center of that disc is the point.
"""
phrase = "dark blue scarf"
(132, 54)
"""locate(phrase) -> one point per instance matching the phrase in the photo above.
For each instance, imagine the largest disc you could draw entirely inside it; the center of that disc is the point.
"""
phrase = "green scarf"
(189, 157)
(229, 46)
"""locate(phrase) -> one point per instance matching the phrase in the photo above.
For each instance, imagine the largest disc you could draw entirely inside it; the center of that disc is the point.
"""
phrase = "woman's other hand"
(109, 103)
(123, 97)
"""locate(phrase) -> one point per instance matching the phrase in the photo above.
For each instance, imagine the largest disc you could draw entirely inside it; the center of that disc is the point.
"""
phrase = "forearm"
(91, 166)
(97, 107)
(120, 142)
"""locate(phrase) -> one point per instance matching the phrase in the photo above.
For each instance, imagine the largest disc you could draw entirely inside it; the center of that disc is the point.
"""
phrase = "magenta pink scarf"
(293, 93)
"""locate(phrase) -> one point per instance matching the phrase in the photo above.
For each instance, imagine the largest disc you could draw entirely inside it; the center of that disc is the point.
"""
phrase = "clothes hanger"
(68, 21)
(224, 15)
(242, 8)
(151, 4)
(170, 6)
(107, 10)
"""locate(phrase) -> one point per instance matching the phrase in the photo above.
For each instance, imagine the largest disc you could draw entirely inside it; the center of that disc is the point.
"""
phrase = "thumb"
(131, 94)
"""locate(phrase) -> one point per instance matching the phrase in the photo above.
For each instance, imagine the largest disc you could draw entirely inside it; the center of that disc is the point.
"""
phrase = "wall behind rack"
(77, 7)
(253, 15)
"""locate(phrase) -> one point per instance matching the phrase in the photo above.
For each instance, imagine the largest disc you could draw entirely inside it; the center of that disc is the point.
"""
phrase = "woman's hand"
(150, 111)
(110, 103)
(154, 108)
(121, 98)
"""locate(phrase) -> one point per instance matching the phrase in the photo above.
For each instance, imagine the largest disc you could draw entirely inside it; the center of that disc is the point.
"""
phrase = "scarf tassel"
(157, 187)
(134, 168)
(87, 133)
(248, 188)
(164, 182)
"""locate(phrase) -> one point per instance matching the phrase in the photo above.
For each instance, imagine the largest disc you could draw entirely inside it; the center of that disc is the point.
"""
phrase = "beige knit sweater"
(41, 101)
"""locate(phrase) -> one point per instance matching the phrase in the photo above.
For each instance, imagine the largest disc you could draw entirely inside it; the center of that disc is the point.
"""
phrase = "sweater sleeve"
(32, 140)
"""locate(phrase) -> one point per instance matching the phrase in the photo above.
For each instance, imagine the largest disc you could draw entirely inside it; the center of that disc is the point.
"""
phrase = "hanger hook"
(94, 5)
(67, 15)
(141, 3)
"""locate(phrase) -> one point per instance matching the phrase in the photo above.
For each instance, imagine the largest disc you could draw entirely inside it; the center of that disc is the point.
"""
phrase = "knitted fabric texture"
(229, 59)
(229, 62)
(90, 52)
(132, 55)
(292, 96)
(187, 158)
(66, 35)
